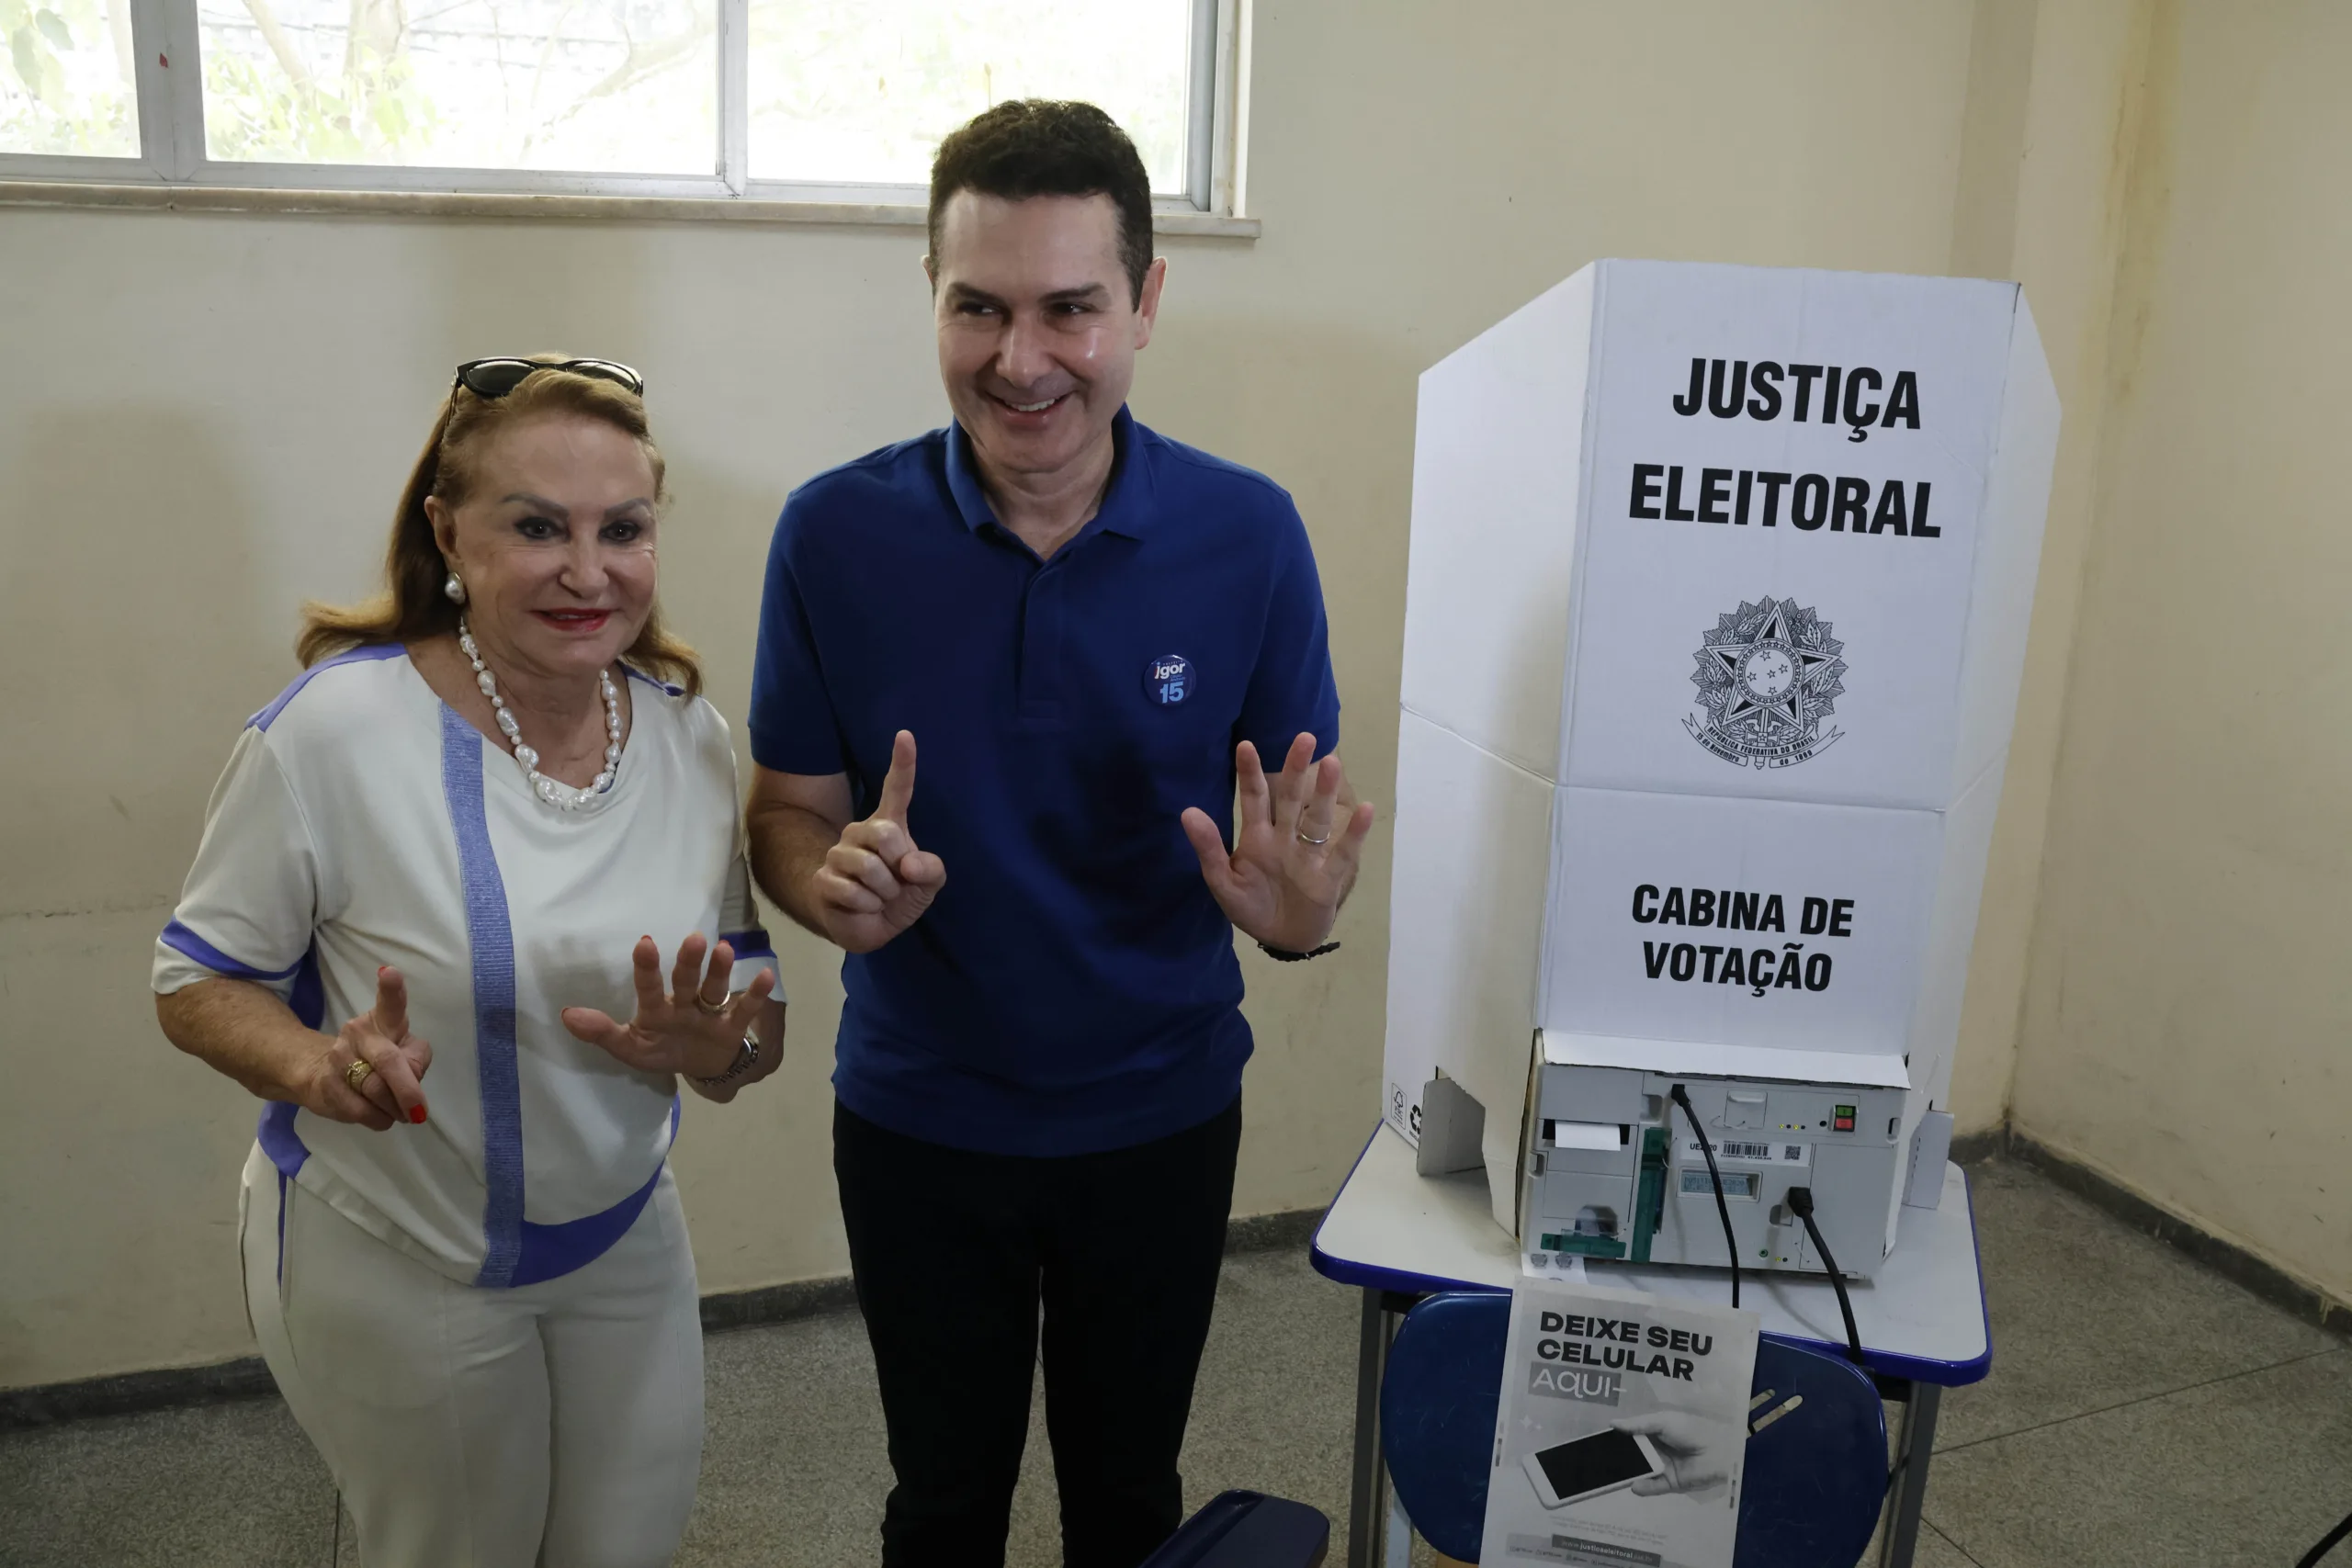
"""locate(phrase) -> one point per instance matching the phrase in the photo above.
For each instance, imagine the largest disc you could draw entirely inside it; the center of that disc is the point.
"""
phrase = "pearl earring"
(454, 590)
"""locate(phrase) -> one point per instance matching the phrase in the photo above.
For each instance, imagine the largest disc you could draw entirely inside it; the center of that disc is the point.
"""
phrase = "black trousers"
(954, 1253)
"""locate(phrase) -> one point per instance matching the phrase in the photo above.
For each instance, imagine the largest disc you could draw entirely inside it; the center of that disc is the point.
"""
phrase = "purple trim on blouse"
(664, 685)
(372, 651)
(551, 1251)
(750, 943)
(491, 939)
(185, 942)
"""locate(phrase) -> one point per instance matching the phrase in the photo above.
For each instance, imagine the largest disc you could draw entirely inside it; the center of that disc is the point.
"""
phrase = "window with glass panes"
(819, 100)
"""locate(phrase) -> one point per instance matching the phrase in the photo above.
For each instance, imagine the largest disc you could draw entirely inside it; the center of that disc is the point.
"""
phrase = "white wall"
(205, 418)
(2186, 1023)
(2057, 101)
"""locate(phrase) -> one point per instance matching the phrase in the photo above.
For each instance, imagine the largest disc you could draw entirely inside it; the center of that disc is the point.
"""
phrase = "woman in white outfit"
(479, 818)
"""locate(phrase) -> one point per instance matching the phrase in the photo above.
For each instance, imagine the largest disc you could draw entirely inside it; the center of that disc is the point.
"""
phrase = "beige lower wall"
(2056, 106)
(204, 419)
(2185, 1027)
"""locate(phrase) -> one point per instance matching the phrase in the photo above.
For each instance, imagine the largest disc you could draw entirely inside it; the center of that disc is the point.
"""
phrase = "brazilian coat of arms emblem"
(1767, 677)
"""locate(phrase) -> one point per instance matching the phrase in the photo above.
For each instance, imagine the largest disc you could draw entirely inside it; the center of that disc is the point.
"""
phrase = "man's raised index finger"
(899, 784)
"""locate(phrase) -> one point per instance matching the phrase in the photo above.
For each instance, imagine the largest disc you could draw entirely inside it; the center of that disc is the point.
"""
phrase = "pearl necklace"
(562, 796)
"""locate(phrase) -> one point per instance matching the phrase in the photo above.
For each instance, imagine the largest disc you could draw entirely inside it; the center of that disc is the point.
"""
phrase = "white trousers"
(557, 1424)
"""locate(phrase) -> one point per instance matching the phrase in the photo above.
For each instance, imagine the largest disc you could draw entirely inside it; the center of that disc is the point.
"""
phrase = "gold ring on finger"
(1318, 843)
(711, 1009)
(357, 1072)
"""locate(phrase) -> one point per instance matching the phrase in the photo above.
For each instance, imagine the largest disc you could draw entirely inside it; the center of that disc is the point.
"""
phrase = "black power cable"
(1731, 1246)
(1800, 1204)
(2327, 1544)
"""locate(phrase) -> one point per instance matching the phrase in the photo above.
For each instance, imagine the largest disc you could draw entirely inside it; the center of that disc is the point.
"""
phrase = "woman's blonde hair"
(412, 606)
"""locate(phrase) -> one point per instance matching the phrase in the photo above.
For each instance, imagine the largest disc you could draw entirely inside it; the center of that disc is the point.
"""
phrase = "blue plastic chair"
(1247, 1530)
(1815, 1478)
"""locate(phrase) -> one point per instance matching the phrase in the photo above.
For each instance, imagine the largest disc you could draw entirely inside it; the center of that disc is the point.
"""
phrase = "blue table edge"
(1914, 1369)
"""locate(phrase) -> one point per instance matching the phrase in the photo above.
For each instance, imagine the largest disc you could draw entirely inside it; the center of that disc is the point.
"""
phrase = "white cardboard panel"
(1951, 936)
(1466, 904)
(1934, 1034)
(1611, 844)
(1495, 458)
(2017, 501)
(1899, 605)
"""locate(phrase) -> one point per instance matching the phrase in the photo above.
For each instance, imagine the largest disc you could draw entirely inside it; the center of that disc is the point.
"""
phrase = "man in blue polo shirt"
(1095, 633)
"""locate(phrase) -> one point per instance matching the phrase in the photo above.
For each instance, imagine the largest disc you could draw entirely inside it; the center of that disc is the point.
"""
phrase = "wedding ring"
(711, 1009)
(1318, 843)
(357, 1072)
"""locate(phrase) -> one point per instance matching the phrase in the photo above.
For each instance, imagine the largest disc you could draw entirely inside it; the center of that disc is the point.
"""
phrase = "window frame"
(169, 80)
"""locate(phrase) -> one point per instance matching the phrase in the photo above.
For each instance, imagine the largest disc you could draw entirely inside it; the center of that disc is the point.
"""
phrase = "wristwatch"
(744, 1061)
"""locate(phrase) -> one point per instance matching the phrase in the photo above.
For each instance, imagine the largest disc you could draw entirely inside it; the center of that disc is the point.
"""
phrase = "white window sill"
(486, 204)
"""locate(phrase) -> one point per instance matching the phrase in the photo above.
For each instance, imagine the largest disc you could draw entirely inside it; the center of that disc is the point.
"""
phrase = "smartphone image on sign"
(1589, 1466)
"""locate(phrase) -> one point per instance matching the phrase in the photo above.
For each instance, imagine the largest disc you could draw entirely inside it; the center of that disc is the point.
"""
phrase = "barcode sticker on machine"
(1749, 1152)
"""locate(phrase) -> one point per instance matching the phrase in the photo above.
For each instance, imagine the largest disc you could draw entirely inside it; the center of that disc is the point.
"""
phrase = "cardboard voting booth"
(1716, 608)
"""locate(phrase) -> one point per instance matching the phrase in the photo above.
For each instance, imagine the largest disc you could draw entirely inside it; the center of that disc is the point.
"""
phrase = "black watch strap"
(1285, 955)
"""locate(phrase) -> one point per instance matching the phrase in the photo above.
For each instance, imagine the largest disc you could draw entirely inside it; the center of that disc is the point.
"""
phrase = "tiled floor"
(2141, 1414)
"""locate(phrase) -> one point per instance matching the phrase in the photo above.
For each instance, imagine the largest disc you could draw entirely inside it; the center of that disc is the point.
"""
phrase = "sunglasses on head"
(496, 377)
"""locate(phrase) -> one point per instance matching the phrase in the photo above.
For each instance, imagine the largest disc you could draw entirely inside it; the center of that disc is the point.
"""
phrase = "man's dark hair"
(1046, 147)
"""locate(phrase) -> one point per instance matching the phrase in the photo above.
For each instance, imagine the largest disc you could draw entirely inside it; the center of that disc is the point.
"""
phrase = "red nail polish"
(417, 1115)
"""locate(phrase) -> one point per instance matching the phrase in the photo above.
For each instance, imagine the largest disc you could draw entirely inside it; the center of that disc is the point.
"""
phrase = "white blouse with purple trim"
(361, 821)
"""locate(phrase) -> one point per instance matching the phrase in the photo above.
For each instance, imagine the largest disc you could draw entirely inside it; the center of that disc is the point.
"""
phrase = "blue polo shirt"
(1074, 987)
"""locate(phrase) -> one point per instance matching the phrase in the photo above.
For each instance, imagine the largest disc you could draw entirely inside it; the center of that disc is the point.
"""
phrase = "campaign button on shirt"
(1168, 680)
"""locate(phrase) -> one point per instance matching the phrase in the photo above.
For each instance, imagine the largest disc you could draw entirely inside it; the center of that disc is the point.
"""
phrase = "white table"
(1400, 1235)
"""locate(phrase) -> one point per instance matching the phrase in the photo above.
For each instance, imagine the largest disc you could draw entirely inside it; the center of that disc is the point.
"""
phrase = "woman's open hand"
(692, 1027)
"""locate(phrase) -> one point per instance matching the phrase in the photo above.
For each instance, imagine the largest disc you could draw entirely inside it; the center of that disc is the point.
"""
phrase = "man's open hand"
(1294, 855)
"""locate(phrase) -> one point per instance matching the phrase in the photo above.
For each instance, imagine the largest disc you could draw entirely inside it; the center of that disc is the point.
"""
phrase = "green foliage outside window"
(65, 84)
(373, 111)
